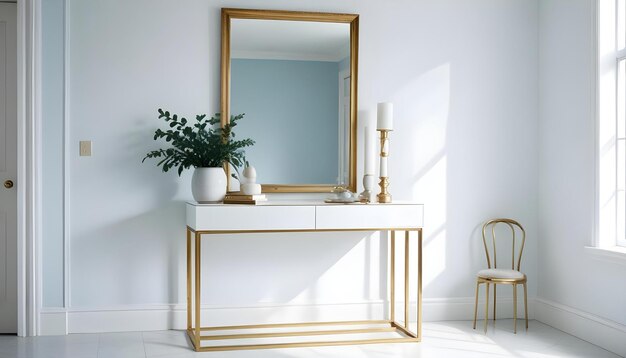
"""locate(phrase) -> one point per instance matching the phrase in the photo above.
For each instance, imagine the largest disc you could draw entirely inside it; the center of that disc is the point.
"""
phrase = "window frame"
(611, 125)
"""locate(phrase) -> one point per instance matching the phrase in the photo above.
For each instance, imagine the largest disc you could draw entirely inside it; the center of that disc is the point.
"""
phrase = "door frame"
(28, 166)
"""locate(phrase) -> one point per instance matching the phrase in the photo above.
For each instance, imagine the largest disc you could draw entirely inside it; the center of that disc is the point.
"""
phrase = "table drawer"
(379, 216)
(242, 217)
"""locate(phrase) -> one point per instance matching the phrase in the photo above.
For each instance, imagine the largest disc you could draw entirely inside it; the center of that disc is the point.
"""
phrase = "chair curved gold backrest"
(511, 224)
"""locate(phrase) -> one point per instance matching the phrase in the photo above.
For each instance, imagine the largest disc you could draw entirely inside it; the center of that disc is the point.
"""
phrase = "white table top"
(303, 215)
(300, 202)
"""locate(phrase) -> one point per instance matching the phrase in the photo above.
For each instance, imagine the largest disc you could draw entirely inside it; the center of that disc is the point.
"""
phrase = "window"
(620, 152)
(611, 144)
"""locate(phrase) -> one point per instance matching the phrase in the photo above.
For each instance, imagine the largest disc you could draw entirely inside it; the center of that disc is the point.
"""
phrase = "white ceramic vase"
(208, 185)
(249, 185)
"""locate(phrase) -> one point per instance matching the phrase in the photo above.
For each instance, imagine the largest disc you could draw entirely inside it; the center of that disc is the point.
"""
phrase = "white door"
(8, 168)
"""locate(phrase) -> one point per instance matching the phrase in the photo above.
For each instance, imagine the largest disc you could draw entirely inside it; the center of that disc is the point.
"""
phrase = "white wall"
(579, 292)
(52, 150)
(569, 275)
(463, 79)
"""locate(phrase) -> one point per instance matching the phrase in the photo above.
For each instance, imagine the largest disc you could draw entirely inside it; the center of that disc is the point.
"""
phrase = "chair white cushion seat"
(501, 274)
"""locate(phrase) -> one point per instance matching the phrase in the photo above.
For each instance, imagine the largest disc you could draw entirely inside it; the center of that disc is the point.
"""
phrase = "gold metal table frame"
(388, 325)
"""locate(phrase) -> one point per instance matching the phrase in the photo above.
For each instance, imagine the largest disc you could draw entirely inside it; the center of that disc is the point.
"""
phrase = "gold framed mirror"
(294, 75)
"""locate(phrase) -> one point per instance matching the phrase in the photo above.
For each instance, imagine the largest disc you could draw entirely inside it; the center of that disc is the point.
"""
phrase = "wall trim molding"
(66, 154)
(28, 166)
(600, 331)
(53, 322)
(58, 321)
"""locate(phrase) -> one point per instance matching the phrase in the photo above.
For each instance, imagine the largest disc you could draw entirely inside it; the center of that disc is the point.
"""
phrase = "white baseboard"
(591, 328)
(462, 308)
(163, 317)
(597, 330)
(53, 322)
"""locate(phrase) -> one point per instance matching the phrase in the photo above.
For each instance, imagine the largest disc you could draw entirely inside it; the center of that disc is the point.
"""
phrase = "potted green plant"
(204, 145)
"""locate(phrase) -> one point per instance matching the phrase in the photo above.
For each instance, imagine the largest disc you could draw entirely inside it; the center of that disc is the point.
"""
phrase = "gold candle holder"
(384, 196)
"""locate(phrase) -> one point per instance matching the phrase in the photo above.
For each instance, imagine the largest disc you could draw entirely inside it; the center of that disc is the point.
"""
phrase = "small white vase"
(249, 173)
(208, 185)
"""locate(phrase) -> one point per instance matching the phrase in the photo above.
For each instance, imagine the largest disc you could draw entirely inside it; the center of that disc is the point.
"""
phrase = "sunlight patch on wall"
(432, 189)
(425, 101)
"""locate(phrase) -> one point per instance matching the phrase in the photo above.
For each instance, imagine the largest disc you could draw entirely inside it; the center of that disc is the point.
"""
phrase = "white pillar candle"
(385, 116)
(383, 166)
(368, 152)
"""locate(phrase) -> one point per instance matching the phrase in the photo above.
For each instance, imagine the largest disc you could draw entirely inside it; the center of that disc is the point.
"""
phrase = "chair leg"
(476, 303)
(494, 302)
(486, 305)
(526, 305)
(514, 308)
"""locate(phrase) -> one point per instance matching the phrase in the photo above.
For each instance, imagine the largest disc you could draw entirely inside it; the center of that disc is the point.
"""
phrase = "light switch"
(85, 148)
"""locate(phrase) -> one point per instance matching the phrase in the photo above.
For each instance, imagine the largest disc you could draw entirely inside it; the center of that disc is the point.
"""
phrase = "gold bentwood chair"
(495, 276)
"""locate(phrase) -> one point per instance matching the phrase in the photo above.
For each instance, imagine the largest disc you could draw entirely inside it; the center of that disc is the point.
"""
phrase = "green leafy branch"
(202, 143)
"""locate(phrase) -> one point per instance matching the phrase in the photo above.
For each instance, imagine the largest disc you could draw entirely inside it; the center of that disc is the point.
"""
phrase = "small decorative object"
(249, 185)
(341, 195)
(240, 198)
(384, 126)
(368, 178)
(202, 144)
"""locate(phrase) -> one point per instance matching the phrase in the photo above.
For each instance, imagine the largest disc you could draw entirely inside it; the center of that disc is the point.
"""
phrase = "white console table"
(215, 219)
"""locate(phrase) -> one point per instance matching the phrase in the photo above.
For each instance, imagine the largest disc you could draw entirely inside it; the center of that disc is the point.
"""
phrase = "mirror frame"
(353, 20)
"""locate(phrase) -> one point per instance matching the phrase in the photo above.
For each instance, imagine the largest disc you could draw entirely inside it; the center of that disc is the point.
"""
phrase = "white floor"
(441, 340)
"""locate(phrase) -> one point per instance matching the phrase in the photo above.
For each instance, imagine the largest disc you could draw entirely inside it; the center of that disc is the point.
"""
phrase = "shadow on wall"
(238, 270)
(453, 192)
(117, 270)
(426, 138)
(123, 247)
(131, 249)
(286, 268)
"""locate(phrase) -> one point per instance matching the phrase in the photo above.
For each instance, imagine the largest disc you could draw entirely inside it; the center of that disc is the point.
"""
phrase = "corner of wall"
(594, 329)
